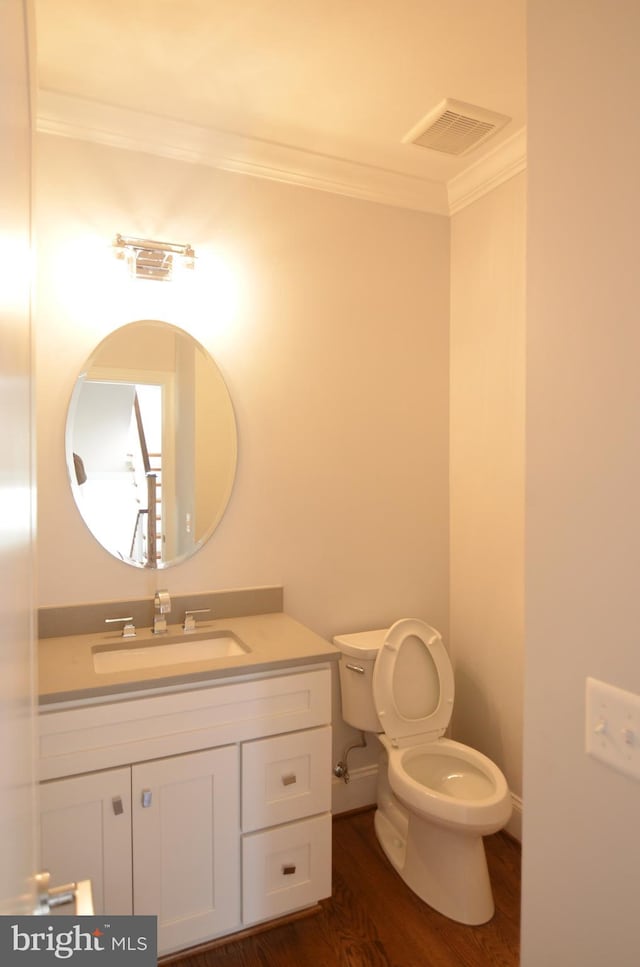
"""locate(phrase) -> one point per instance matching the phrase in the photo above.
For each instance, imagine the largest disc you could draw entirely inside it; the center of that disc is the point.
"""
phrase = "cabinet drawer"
(286, 777)
(286, 868)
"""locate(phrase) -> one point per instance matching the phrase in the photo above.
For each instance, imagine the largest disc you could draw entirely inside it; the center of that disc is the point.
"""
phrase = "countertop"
(275, 640)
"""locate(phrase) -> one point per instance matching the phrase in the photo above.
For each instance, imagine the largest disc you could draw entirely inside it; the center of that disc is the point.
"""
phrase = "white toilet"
(436, 798)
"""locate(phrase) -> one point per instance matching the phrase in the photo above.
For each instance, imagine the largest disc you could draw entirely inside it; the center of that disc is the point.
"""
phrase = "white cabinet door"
(85, 832)
(186, 845)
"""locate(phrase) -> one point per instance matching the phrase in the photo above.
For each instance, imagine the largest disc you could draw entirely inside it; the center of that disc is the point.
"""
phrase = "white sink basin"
(171, 653)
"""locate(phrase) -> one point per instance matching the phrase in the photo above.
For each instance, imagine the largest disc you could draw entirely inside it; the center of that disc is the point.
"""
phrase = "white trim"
(514, 826)
(360, 791)
(75, 117)
(507, 160)
(85, 120)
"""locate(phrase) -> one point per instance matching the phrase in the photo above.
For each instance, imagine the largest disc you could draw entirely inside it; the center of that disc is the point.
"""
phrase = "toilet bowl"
(451, 784)
(436, 797)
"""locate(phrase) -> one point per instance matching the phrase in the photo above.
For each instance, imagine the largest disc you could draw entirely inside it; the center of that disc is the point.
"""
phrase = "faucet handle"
(129, 630)
(190, 619)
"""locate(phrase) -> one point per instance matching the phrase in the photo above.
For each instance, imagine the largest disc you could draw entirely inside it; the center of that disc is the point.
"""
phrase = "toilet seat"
(413, 685)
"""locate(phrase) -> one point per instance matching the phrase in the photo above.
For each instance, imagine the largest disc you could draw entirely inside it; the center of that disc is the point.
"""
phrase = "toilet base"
(445, 868)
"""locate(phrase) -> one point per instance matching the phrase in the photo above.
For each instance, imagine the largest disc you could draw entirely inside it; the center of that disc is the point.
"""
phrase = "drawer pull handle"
(355, 668)
(118, 808)
(288, 869)
(146, 798)
(289, 780)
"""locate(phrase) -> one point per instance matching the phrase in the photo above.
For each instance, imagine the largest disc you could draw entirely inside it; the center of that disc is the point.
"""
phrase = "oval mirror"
(151, 444)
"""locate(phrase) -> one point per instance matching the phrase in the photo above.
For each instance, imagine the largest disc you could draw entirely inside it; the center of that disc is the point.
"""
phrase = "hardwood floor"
(374, 920)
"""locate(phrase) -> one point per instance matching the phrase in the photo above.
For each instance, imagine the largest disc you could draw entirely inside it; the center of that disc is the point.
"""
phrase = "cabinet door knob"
(118, 808)
(288, 869)
(146, 798)
(289, 779)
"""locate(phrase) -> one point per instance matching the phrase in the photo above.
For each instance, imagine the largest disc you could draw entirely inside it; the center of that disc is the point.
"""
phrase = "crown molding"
(85, 120)
(505, 161)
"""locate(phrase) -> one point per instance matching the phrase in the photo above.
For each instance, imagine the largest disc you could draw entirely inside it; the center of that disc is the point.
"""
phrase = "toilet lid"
(413, 684)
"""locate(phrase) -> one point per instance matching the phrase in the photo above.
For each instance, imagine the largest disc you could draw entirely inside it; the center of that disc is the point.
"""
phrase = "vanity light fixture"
(153, 260)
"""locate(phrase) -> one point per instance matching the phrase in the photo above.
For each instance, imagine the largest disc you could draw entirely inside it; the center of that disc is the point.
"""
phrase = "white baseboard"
(514, 826)
(360, 791)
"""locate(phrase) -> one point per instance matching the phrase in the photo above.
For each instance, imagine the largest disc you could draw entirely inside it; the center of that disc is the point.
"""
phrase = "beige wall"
(581, 841)
(332, 335)
(487, 475)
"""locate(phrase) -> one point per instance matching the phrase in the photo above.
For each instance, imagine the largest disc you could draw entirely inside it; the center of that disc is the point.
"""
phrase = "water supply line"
(342, 769)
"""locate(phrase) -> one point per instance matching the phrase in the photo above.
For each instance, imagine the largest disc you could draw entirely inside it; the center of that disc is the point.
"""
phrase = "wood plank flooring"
(374, 920)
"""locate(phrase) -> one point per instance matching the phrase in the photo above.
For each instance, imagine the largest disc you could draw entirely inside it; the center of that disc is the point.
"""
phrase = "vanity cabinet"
(207, 807)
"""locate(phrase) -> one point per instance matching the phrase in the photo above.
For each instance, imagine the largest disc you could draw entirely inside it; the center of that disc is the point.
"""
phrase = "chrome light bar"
(153, 260)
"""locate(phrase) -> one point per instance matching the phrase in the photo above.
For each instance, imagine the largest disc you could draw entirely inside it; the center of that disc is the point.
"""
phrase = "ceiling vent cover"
(455, 127)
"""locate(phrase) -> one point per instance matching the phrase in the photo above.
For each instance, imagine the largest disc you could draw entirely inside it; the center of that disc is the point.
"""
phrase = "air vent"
(455, 127)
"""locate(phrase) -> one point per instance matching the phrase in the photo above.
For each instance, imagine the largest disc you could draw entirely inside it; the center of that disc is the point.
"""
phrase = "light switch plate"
(613, 726)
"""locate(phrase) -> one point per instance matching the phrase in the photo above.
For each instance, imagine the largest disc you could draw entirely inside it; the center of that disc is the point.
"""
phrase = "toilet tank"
(357, 659)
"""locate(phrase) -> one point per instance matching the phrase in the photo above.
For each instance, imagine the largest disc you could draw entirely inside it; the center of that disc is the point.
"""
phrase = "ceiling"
(295, 89)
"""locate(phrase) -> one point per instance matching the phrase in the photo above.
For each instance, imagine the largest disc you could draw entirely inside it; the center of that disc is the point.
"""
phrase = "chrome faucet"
(162, 603)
